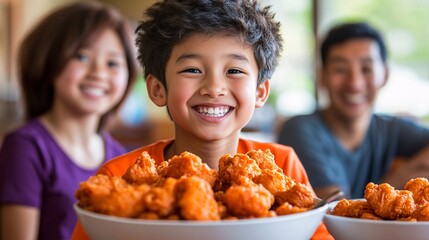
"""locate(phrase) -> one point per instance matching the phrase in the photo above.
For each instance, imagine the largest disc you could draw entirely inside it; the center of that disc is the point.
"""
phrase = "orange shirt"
(285, 157)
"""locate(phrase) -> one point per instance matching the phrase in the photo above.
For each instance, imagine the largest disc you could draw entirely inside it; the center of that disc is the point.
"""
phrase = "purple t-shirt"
(36, 172)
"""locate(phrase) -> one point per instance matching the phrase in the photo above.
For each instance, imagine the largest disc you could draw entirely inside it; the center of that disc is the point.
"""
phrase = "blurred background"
(304, 22)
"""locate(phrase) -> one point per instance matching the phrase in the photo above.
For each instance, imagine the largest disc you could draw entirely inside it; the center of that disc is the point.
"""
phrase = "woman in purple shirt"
(76, 67)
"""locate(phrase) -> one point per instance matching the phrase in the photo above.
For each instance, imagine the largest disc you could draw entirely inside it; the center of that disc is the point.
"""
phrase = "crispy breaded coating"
(246, 201)
(195, 199)
(353, 208)
(420, 189)
(389, 203)
(239, 169)
(187, 164)
(421, 213)
(142, 171)
(111, 196)
(161, 199)
(287, 208)
(264, 159)
(273, 181)
(299, 195)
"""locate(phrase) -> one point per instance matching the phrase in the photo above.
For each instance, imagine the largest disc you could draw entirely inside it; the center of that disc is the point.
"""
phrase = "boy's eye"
(191, 70)
(234, 71)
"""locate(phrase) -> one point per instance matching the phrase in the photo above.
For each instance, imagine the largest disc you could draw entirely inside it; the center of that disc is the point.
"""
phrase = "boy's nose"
(213, 86)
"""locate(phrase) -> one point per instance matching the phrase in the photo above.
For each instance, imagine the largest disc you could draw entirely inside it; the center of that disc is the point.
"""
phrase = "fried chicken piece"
(420, 189)
(161, 199)
(223, 210)
(287, 208)
(389, 203)
(274, 181)
(408, 219)
(370, 216)
(421, 213)
(173, 217)
(272, 176)
(149, 216)
(239, 169)
(219, 196)
(299, 195)
(195, 199)
(246, 201)
(142, 171)
(111, 196)
(230, 218)
(354, 209)
(264, 159)
(271, 213)
(187, 164)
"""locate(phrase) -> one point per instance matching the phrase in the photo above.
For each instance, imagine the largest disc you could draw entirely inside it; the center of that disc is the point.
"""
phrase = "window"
(292, 84)
(404, 27)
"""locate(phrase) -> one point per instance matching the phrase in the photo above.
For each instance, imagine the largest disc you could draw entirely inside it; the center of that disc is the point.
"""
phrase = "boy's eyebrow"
(239, 57)
(187, 56)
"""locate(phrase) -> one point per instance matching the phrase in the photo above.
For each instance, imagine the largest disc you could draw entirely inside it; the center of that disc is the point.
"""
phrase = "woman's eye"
(113, 64)
(82, 57)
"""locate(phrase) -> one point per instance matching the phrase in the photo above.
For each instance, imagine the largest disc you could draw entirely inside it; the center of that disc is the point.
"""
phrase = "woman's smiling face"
(95, 79)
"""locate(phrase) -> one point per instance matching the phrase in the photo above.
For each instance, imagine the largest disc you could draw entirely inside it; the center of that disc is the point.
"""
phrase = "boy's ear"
(156, 91)
(262, 93)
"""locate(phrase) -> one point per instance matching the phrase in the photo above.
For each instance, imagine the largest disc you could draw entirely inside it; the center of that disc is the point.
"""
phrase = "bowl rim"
(80, 211)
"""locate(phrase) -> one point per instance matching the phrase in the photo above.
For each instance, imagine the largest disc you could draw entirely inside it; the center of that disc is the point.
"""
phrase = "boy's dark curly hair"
(169, 22)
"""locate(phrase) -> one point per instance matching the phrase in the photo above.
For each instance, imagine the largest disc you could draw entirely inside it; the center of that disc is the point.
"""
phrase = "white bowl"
(295, 226)
(347, 228)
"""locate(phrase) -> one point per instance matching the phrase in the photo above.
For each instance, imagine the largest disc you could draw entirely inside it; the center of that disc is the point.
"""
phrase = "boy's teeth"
(213, 111)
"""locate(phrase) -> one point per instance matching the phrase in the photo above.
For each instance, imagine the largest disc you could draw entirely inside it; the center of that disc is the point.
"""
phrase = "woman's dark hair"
(169, 22)
(349, 31)
(48, 47)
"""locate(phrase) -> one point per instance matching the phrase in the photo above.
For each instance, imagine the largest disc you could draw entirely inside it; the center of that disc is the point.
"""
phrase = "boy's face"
(212, 86)
(353, 75)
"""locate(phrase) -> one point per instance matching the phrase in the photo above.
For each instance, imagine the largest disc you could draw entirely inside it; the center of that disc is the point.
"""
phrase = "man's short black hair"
(349, 31)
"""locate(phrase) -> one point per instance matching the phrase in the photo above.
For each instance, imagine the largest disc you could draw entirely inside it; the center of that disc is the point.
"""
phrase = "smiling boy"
(211, 82)
(209, 63)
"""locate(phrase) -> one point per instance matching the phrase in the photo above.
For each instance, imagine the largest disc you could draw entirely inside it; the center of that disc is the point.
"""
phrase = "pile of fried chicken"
(384, 202)
(247, 185)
